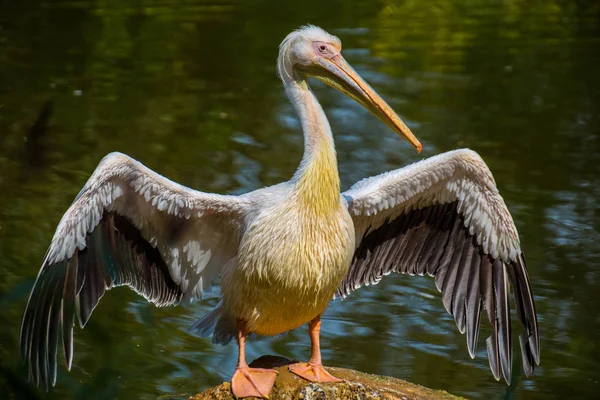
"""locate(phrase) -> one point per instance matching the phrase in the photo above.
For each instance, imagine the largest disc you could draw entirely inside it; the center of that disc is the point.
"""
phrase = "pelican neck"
(316, 179)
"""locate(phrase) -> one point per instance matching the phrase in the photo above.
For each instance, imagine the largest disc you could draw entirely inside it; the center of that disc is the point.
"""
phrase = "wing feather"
(503, 314)
(445, 218)
(473, 304)
(127, 227)
(459, 293)
(446, 257)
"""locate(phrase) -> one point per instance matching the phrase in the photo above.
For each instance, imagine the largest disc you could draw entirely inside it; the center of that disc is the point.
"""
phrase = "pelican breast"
(288, 267)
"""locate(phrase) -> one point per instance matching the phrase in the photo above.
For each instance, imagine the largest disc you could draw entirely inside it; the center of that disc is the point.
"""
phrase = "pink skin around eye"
(324, 49)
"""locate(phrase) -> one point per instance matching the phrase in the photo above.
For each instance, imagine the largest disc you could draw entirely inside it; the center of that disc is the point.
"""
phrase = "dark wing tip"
(493, 355)
(525, 305)
(500, 284)
(41, 324)
(496, 301)
(115, 254)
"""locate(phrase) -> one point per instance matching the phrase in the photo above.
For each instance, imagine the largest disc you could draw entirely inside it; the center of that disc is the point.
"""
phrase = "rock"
(356, 386)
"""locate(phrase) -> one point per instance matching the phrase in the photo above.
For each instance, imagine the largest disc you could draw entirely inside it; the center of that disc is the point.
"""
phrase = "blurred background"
(188, 87)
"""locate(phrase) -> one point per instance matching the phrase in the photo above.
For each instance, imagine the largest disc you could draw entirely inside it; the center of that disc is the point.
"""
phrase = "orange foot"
(312, 372)
(247, 382)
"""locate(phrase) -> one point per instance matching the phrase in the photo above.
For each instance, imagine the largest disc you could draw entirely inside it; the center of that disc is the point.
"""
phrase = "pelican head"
(312, 52)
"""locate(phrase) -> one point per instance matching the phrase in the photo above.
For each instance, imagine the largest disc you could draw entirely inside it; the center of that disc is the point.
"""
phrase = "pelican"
(285, 251)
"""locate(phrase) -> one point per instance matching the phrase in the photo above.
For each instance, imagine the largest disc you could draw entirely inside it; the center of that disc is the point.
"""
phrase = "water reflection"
(189, 88)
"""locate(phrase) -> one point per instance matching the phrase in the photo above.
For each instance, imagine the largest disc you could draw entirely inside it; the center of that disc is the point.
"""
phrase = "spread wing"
(128, 226)
(444, 217)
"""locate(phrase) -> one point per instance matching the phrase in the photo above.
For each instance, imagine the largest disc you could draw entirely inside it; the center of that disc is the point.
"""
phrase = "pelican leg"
(313, 370)
(246, 381)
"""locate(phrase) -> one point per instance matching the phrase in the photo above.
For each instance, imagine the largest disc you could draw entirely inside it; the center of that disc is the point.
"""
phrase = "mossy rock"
(356, 386)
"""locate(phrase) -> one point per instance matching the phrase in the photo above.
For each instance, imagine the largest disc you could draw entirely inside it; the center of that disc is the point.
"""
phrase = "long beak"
(337, 73)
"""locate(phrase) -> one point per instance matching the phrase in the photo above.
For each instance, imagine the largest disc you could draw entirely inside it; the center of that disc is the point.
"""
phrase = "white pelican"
(285, 251)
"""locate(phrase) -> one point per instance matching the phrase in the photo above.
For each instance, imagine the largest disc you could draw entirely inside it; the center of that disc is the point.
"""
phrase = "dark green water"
(189, 88)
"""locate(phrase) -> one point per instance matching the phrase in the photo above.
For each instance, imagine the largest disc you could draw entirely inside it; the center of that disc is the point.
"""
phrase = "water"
(189, 88)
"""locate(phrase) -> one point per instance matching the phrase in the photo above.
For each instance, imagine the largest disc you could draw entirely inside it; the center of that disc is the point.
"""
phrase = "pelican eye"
(322, 48)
